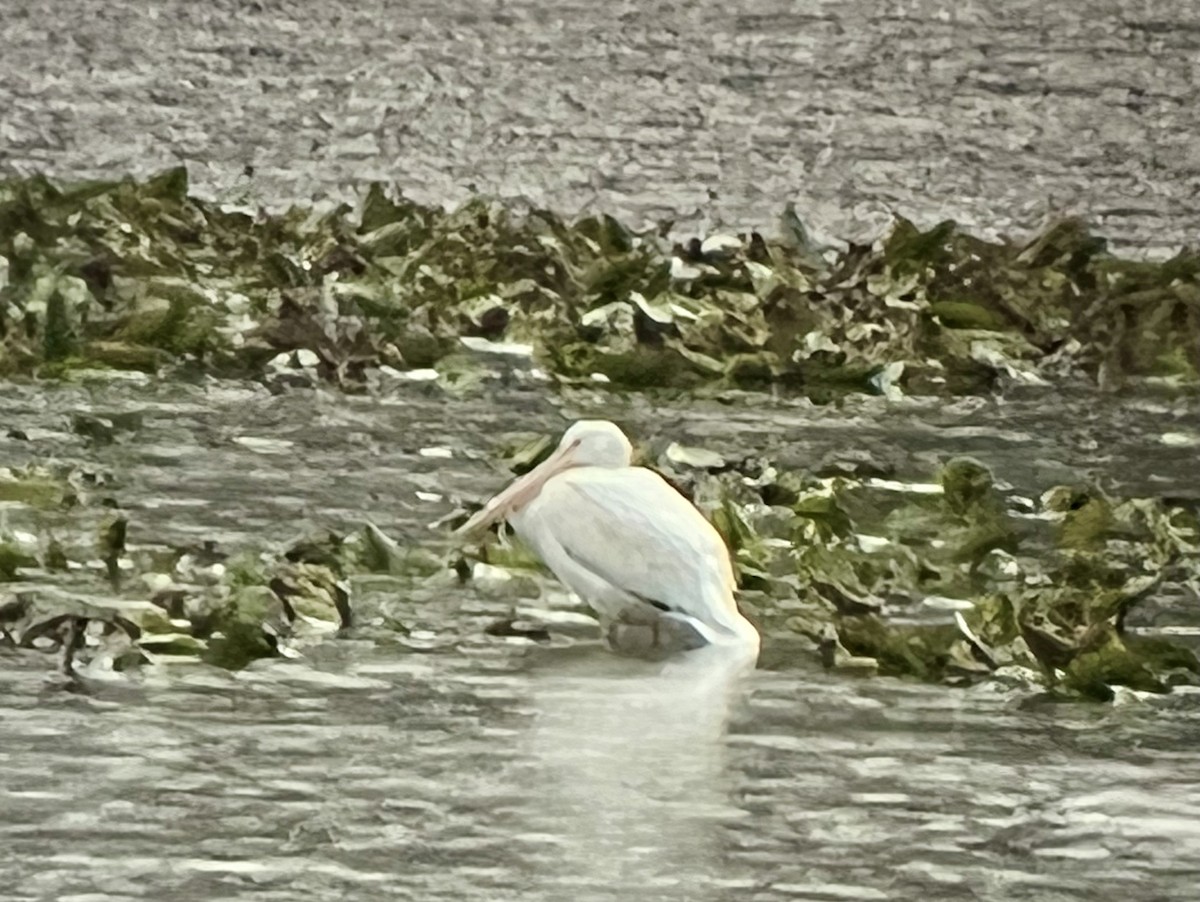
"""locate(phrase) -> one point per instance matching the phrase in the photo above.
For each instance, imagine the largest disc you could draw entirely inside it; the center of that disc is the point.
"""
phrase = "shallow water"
(449, 764)
(234, 463)
(511, 774)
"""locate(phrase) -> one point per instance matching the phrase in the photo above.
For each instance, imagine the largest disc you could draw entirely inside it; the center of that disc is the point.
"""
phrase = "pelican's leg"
(654, 635)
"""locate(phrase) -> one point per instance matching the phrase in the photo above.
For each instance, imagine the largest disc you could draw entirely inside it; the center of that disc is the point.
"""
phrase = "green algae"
(950, 580)
(140, 275)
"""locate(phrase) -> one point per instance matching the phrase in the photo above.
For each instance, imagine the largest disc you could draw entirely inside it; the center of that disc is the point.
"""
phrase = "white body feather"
(635, 549)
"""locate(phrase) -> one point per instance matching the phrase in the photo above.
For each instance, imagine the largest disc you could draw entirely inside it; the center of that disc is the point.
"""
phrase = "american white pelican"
(628, 544)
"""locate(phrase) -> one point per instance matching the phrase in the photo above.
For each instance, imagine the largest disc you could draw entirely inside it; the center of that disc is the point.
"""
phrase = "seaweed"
(142, 275)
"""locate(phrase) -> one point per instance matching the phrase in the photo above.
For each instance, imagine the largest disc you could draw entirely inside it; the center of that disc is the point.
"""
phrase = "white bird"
(627, 543)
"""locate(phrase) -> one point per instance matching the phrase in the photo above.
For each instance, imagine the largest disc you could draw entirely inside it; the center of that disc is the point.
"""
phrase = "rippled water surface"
(505, 775)
(449, 764)
(996, 114)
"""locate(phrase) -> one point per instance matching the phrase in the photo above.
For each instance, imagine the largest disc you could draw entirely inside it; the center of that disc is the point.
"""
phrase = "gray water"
(708, 113)
(471, 775)
(450, 764)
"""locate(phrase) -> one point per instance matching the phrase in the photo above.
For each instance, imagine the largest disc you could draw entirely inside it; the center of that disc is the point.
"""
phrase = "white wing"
(616, 536)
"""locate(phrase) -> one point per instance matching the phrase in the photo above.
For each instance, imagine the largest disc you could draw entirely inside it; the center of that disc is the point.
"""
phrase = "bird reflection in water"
(634, 790)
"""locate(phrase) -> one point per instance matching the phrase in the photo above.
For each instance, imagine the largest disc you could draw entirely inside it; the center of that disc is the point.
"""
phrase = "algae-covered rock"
(379, 553)
(954, 581)
(245, 627)
(33, 486)
(139, 275)
(13, 558)
(178, 605)
(904, 650)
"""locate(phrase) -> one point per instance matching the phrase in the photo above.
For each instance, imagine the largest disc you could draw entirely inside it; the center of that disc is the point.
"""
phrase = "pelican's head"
(588, 443)
(595, 443)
